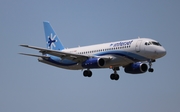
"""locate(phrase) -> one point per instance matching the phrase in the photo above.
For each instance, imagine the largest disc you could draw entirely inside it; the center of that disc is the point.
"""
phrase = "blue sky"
(27, 85)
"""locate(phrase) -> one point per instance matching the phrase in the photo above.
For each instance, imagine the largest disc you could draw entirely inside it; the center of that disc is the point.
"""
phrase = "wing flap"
(34, 55)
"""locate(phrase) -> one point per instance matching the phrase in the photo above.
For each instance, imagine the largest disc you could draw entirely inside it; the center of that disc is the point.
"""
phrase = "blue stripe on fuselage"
(129, 55)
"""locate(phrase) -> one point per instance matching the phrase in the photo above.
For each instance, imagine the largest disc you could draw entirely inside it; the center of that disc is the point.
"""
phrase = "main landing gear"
(114, 76)
(87, 73)
(150, 65)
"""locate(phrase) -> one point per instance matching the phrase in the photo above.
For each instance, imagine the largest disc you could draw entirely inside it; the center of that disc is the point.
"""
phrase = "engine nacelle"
(136, 68)
(93, 63)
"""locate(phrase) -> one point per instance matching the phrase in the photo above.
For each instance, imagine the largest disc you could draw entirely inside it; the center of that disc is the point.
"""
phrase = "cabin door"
(138, 45)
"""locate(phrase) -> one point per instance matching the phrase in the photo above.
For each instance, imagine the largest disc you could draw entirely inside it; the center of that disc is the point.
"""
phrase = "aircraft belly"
(119, 61)
(116, 61)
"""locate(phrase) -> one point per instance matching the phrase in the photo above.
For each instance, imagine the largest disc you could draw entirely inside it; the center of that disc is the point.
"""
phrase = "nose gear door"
(138, 45)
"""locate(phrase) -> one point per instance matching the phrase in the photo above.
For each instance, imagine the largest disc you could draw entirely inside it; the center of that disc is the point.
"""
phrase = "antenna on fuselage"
(139, 37)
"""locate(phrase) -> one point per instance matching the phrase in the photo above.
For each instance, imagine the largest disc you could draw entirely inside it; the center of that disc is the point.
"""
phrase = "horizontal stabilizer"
(24, 45)
(34, 55)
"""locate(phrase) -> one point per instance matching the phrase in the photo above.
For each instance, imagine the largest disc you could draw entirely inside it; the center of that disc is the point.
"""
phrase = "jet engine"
(93, 63)
(136, 68)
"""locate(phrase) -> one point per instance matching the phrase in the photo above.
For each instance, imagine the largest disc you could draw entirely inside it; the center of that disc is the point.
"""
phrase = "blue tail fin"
(52, 40)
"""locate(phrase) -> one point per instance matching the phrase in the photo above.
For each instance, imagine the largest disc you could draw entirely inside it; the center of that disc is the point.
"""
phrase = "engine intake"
(136, 68)
(93, 63)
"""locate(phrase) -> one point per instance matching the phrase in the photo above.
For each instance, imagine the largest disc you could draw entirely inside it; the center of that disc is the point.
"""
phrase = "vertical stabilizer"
(52, 40)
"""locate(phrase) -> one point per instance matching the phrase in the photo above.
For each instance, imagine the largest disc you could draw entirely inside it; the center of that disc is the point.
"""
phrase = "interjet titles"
(126, 43)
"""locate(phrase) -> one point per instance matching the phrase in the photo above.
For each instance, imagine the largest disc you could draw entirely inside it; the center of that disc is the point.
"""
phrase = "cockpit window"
(156, 43)
(153, 43)
(148, 43)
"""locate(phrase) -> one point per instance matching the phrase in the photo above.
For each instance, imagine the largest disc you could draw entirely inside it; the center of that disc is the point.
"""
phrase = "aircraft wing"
(61, 54)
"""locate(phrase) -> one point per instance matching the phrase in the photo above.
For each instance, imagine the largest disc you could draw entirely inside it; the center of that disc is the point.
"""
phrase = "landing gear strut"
(150, 65)
(114, 76)
(87, 73)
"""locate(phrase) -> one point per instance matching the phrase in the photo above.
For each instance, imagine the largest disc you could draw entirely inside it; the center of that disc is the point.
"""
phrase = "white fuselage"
(121, 53)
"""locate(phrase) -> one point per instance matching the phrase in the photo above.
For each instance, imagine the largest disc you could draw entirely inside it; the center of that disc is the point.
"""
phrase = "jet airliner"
(135, 55)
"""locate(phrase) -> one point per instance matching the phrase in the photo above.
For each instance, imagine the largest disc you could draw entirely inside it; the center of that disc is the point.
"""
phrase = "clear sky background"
(29, 86)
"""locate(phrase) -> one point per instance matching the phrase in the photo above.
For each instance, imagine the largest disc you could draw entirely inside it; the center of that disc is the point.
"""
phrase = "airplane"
(133, 55)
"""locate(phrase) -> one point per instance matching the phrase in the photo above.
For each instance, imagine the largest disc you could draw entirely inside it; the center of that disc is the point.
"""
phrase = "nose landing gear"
(150, 65)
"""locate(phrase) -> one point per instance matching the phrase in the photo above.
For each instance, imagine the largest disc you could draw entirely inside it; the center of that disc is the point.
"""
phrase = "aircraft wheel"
(114, 76)
(87, 73)
(151, 70)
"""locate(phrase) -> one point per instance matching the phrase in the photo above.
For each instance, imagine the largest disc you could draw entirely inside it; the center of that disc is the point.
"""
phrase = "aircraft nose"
(162, 52)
